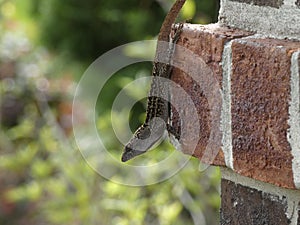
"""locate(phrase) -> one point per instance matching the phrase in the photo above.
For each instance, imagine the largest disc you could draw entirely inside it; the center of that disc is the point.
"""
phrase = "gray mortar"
(294, 120)
(226, 106)
(277, 23)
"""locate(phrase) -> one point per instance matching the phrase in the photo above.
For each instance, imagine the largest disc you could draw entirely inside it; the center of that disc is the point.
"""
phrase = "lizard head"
(143, 139)
(135, 145)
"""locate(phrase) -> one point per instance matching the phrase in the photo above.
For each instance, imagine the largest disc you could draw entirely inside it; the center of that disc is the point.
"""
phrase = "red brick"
(260, 86)
(207, 42)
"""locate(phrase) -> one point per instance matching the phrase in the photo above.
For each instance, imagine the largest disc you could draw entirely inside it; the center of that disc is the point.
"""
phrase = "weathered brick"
(207, 42)
(260, 85)
(270, 3)
(244, 205)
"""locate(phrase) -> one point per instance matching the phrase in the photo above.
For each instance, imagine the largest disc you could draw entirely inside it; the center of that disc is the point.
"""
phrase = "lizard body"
(158, 108)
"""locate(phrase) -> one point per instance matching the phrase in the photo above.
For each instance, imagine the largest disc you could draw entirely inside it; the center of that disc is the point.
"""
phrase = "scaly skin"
(157, 114)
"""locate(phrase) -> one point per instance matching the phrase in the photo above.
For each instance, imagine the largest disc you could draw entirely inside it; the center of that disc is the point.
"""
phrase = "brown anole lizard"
(158, 108)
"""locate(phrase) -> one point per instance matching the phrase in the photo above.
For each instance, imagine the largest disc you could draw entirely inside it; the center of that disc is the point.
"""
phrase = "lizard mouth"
(130, 153)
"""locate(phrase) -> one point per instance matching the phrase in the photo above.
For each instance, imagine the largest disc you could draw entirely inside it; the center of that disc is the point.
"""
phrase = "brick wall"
(253, 54)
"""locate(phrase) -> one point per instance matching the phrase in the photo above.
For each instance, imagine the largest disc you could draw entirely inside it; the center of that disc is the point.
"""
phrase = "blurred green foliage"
(43, 177)
(87, 29)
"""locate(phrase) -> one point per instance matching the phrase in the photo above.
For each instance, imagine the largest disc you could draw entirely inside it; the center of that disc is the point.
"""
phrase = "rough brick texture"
(260, 82)
(207, 42)
(244, 205)
(260, 85)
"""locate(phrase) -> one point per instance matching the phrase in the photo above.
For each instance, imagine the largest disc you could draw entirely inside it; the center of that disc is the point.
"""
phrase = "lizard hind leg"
(173, 39)
(177, 32)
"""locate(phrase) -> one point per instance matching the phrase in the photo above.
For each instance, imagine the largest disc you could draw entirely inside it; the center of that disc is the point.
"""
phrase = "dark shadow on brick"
(243, 205)
(298, 214)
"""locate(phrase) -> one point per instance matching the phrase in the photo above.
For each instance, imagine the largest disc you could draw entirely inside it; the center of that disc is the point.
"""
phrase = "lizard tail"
(166, 27)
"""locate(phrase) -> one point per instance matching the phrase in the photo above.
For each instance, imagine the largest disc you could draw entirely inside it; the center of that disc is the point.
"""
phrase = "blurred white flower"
(13, 45)
(30, 70)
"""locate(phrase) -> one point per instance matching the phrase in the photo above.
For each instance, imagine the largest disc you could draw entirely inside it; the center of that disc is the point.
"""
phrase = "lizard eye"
(143, 133)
